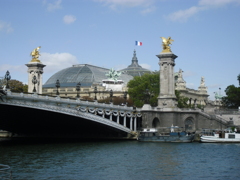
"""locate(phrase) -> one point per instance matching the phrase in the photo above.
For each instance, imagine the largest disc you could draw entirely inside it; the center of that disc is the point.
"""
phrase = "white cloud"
(12, 68)
(126, 3)
(184, 15)
(68, 19)
(57, 61)
(53, 6)
(216, 3)
(148, 10)
(146, 66)
(114, 4)
(5, 27)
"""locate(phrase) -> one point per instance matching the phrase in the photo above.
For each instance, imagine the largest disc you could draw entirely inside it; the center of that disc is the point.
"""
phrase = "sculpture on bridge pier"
(167, 97)
(35, 54)
(35, 69)
(165, 43)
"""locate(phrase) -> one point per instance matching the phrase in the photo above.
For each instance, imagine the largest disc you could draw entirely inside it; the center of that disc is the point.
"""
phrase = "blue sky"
(206, 36)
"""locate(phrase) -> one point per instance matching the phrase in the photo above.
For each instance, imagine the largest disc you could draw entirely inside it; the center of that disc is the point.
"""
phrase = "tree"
(144, 89)
(17, 86)
(232, 98)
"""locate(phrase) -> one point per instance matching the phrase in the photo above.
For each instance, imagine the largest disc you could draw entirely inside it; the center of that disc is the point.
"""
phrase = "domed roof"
(135, 69)
(84, 73)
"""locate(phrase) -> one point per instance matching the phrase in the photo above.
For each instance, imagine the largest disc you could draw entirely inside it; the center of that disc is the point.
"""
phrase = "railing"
(5, 172)
(227, 111)
(58, 98)
(217, 118)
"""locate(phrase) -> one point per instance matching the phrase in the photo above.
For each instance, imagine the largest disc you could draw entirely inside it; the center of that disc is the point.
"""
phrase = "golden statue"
(35, 54)
(165, 43)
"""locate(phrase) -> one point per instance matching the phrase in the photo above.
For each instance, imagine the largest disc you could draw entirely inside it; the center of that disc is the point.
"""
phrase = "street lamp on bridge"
(95, 91)
(111, 95)
(125, 97)
(57, 86)
(8, 78)
(34, 81)
(78, 89)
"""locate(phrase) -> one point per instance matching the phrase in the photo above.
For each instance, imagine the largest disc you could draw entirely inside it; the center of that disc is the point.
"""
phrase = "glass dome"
(84, 73)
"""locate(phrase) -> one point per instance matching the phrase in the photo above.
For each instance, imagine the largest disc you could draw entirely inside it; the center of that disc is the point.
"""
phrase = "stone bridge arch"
(189, 124)
(156, 123)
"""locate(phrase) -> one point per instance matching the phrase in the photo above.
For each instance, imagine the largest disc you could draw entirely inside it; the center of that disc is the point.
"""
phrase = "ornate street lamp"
(125, 97)
(34, 81)
(111, 95)
(95, 91)
(78, 89)
(57, 86)
(147, 96)
(8, 78)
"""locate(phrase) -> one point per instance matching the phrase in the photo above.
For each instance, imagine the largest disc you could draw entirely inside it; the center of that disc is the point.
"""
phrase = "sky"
(206, 36)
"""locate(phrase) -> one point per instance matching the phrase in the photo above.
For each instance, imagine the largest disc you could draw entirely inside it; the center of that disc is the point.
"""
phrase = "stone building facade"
(199, 96)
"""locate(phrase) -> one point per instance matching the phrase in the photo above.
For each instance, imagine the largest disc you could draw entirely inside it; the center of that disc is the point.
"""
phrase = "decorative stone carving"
(180, 83)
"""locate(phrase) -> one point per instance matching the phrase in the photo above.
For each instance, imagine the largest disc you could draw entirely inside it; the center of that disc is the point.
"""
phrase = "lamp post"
(125, 97)
(78, 89)
(57, 86)
(95, 91)
(8, 78)
(111, 95)
(34, 81)
(147, 94)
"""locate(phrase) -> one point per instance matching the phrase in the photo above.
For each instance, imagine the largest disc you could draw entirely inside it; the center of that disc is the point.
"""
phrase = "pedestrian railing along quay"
(5, 172)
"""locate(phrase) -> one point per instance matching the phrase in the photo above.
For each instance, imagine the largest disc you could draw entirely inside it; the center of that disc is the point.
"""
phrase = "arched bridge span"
(38, 115)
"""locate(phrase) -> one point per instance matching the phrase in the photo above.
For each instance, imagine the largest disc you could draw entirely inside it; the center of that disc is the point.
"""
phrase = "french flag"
(137, 43)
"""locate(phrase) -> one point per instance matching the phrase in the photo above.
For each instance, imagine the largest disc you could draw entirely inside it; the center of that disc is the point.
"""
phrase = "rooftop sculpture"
(113, 75)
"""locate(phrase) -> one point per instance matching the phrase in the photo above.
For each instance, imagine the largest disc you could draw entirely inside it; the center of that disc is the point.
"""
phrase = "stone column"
(111, 116)
(131, 123)
(167, 97)
(135, 123)
(35, 69)
(118, 118)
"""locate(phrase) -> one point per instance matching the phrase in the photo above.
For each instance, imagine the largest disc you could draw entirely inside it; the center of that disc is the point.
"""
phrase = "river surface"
(123, 160)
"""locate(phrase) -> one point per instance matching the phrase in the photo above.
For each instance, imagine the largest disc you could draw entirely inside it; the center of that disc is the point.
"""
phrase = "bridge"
(47, 116)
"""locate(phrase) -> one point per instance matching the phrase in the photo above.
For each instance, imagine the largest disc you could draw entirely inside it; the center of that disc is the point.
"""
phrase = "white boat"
(222, 137)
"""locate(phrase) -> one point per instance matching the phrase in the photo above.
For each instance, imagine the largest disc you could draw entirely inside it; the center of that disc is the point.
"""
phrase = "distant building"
(90, 77)
(135, 69)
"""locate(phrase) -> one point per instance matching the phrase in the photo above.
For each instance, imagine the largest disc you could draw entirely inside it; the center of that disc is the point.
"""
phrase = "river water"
(123, 160)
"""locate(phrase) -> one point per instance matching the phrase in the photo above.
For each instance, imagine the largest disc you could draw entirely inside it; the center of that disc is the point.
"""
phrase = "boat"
(165, 134)
(222, 136)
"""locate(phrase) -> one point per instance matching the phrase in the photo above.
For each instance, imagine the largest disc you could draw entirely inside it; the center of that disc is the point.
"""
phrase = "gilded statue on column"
(35, 54)
(165, 43)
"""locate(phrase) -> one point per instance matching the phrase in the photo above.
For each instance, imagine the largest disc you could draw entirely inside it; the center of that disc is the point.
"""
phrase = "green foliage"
(232, 98)
(144, 89)
(17, 86)
(182, 101)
